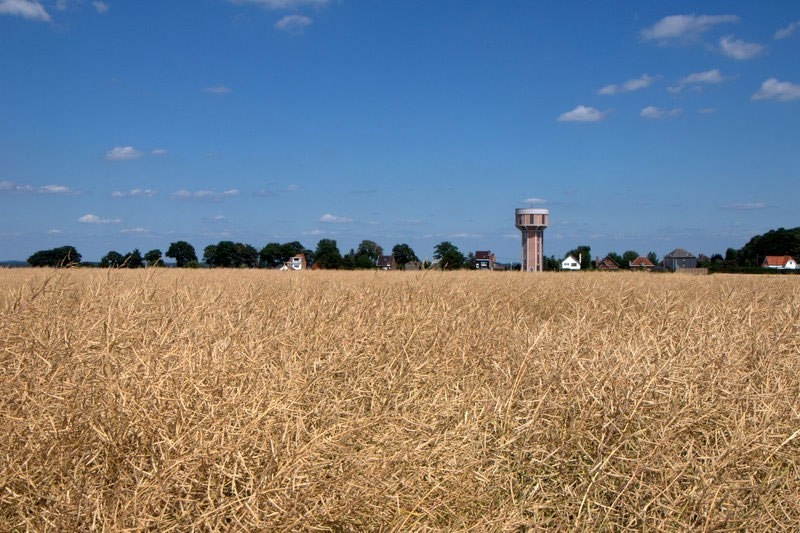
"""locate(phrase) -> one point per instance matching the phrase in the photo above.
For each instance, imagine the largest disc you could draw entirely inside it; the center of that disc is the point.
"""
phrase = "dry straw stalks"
(216, 400)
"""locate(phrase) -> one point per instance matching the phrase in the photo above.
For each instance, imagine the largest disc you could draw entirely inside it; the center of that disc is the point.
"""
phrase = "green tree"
(469, 261)
(349, 260)
(370, 249)
(551, 263)
(582, 253)
(774, 242)
(290, 249)
(112, 259)
(134, 259)
(214, 255)
(271, 255)
(229, 254)
(652, 257)
(246, 255)
(627, 257)
(403, 254)
(153, 258)
(449, 256)
(364, 262)
(274, 254)
(327, 254)
(731, 257)
(183, 253)
(63, 256)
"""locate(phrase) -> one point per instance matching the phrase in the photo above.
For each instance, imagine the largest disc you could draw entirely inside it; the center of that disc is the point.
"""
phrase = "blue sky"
(639, 125)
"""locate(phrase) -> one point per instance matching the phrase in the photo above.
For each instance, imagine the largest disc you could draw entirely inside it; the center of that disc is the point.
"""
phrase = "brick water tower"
(532, 223)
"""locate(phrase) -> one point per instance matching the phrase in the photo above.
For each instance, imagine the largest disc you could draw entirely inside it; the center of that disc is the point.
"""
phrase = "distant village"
(773, 252)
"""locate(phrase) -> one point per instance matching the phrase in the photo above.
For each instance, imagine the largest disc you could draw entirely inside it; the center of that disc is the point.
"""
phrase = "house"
(642, 263)
(679, 258)
(386, 262)
(413, 265)
(484, 260)
(570, 263)
(780, 262)
(298, 262)
(607, 264)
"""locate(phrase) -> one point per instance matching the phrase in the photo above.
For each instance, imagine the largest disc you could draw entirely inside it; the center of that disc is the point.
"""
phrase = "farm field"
(169, 399)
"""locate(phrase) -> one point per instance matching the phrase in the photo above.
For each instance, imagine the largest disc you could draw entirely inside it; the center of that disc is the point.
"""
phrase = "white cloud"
(783, 91)
(783, 33)
(327, 217)
(158, 152)
(265, 193)
(54, 232)
(283, 4)
(707, 110)
(581, 114)
(747, 206)
(293, 23)
(217, 234)
(215, 219)
(534, 201)
(274, 190)
(653, 112)
(27, 9)
(698, 78)
(683, 27)
(739, 49)
(10, 186)
(123, 153)
(204, 194)
(101, 7)
(135, 230)
(709, 76)
(628, 86)
(94, 219)
(217, 89)
(54, 189)
(135, 193)
(315, 232)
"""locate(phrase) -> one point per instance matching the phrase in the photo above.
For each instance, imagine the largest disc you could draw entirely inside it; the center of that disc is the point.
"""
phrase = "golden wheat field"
(166, 399)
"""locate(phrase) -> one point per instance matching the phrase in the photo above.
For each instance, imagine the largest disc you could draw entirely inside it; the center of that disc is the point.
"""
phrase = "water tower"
(532, 223)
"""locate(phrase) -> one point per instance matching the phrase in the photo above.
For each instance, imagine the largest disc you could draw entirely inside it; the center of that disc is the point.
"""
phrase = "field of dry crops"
(166, 399)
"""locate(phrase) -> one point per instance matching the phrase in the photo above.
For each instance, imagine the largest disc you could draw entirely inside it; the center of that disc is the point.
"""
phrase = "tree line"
(229, 254)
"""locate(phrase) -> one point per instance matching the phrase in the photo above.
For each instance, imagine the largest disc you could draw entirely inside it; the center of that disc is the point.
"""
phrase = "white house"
(780, 262)
(570, 263)
(298, 262)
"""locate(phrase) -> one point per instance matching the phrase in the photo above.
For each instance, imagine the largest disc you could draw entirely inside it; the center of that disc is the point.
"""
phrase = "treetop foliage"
(63, 256)
(182, 252)
(227, 254)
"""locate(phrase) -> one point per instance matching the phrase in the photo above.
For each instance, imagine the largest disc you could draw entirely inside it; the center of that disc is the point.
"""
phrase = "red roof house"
(780, 262)
(642, 263)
